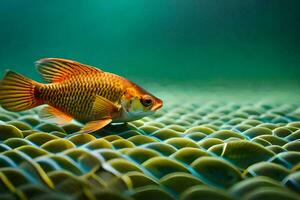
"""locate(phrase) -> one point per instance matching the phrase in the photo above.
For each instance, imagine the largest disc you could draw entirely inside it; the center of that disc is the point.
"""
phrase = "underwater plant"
(210, 155)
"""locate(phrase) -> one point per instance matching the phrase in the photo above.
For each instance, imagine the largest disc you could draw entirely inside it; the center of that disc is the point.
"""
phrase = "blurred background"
(190, 41)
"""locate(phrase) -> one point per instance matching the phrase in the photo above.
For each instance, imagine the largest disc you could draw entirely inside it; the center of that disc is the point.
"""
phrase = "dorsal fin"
(57, 69)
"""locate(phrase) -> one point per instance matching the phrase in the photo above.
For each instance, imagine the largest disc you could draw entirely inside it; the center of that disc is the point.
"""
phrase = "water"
(159, 39)
(227, 68)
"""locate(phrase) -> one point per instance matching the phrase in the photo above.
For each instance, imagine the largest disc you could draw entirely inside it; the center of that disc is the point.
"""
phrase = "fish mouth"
(157, 106)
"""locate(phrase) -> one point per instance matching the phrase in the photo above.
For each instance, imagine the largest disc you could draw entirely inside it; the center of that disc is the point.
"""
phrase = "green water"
(157, 39)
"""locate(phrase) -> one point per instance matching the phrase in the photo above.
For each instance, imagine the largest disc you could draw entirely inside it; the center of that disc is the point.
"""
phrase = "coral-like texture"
(199, 151)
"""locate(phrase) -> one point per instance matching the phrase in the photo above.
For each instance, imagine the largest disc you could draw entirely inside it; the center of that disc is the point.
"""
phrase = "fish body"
(77, 94)
(77, 91)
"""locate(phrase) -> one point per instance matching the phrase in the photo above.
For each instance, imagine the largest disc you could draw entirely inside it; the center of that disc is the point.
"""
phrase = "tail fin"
(17, 93)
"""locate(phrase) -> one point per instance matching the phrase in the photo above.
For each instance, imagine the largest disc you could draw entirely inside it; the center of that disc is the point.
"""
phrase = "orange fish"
(77, 91)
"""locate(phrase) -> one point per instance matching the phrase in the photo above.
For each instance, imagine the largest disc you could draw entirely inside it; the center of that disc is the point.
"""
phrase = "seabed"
(190, 149)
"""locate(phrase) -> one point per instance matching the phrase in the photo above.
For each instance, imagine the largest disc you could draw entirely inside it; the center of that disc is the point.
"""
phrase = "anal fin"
(53, 115)
(95, 125)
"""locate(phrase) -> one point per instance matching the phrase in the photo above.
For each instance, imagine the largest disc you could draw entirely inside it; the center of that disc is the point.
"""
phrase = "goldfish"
(76, 91)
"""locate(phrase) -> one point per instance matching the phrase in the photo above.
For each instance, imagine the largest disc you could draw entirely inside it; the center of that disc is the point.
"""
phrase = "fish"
(76, 91)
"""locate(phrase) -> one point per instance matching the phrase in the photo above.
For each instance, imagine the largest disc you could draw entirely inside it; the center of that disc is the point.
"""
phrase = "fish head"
(139, 103)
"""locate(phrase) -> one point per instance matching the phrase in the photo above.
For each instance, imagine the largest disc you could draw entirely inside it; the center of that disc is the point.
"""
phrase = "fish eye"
(146, 101)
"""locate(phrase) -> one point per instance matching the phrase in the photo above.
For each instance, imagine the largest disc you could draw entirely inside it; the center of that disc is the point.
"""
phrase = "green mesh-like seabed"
(211, 150)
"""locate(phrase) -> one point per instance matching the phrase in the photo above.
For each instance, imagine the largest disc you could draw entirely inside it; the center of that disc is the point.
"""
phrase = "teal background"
(178, 40)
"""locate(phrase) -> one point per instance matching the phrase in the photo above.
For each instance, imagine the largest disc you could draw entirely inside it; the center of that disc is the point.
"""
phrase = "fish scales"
(76, 95)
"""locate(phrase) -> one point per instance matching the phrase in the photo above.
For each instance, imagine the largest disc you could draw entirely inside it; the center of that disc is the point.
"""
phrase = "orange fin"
(103, 107)
(54, 115)
(17, 93)
(95, 125)
(56, 69)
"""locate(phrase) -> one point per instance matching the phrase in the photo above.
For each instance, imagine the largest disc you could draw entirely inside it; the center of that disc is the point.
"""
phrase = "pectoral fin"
(53, 115)
(95, 125)
(103, 107)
